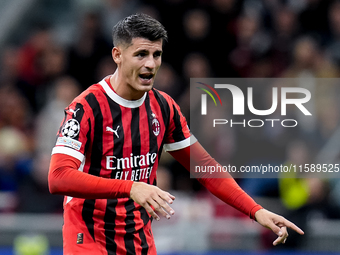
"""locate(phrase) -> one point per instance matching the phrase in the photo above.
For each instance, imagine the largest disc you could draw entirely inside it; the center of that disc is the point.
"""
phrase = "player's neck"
(122, 89)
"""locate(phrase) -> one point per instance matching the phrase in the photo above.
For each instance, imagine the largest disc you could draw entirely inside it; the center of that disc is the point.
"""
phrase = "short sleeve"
(74, 132)
(178, 134)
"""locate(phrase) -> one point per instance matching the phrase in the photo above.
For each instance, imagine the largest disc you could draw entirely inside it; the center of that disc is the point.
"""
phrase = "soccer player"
(108, 149)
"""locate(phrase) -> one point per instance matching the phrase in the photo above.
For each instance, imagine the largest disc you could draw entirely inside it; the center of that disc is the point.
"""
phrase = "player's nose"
(150, 63)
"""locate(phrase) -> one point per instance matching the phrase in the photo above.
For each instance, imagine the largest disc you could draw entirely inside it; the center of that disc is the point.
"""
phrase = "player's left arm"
(226, 188)
(223, 187)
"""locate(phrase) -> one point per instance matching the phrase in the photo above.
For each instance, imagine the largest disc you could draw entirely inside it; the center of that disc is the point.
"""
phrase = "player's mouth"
(146, 78)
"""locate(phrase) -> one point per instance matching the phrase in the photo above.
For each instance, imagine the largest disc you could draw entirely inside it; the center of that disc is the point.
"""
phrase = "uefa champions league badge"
(71, 128)
(156, 127)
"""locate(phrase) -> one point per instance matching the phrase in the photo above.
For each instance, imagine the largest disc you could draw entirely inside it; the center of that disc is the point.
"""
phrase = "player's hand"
(277, 224)
(153, 199)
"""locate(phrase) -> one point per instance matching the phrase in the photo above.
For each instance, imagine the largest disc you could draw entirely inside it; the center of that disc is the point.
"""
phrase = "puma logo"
(113, 131)
(74, 111)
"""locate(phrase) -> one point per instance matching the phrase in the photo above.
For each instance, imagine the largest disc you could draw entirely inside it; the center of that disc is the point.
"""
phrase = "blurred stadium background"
(53, 49)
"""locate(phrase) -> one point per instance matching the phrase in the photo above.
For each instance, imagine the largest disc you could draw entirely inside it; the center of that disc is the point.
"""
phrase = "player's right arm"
(65, 179)
(65, 174)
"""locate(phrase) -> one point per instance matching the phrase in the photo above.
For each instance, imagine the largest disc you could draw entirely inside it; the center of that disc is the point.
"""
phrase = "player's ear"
(116, 55)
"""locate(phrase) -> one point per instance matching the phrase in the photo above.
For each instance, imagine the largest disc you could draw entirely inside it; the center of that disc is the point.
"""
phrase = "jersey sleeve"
(74, 133)
(178, 134)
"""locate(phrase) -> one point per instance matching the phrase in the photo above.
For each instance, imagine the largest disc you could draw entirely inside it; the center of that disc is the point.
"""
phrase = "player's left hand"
(277, 224)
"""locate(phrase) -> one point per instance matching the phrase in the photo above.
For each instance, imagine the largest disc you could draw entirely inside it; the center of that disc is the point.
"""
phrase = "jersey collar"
(118, 99)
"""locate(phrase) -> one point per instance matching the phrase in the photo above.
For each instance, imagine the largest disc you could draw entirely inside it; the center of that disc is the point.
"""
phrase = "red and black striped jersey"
(119, 139)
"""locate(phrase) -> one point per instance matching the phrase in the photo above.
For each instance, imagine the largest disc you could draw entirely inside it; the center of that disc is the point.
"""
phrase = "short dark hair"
(138, 25)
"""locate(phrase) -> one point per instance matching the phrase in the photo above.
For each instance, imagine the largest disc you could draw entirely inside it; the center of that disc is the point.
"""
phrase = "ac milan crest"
(156, 127)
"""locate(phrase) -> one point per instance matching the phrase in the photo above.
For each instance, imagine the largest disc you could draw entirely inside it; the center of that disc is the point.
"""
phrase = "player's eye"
(141, 54)
(157, 54)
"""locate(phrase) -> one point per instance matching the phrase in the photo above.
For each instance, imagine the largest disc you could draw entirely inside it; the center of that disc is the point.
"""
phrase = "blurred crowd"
(40, 75)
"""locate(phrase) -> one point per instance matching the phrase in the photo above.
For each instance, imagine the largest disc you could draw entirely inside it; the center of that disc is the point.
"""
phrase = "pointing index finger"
(293, 227)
